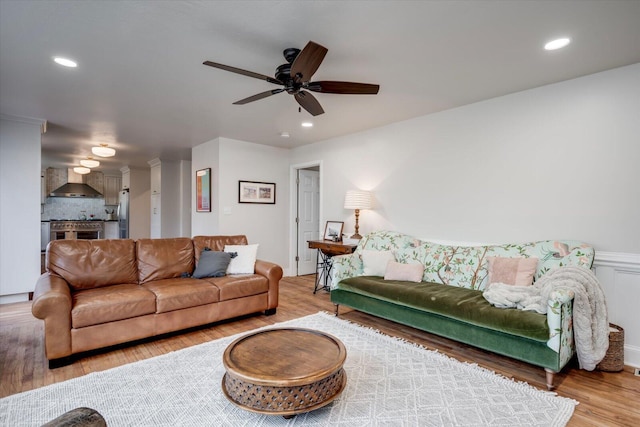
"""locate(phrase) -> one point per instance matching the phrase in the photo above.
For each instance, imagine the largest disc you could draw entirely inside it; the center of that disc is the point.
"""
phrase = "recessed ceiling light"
(284, 134)
(557, 44)
(307, 124)
(65, 62)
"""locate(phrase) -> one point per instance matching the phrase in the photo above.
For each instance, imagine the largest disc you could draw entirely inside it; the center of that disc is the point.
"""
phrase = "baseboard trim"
(9, 299)
(632, 356)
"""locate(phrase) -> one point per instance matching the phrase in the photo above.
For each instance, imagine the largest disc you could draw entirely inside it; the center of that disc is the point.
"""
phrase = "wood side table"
(284, 371)
(326, 250)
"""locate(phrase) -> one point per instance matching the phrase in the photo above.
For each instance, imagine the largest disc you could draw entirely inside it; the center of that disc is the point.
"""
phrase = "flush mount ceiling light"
(103, 151)
(65, 62)
(557, 43)
(307, 124)
(89, 162)
(81, 170)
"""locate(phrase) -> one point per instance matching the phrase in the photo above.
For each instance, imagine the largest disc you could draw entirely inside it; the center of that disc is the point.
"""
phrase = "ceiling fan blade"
(258, 96)
(307, 62)
(243, 72)
(309, 103)
(348, 88)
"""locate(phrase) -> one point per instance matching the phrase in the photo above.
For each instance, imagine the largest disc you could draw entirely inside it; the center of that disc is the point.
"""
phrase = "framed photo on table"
(203, 190)
(256, 192)
(333, 231)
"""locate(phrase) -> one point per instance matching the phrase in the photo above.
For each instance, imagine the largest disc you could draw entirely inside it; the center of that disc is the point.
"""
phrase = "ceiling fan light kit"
(295, 77)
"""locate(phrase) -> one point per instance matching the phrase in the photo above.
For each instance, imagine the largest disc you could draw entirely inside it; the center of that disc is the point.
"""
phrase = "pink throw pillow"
(512, 271)
(404, 272)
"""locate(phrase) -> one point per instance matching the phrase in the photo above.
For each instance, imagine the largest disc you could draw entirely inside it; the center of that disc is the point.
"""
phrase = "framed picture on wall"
(333, 231)
(203, 190)
(256, 192)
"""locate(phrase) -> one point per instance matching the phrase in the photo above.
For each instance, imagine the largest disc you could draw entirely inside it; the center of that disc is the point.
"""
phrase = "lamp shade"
(358, 199)
(103, 151)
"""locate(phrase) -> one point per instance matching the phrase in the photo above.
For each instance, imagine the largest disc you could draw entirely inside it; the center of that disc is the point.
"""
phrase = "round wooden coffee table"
(284, 371)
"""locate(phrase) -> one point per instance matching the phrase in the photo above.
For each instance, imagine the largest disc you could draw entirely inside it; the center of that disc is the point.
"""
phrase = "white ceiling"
(141, 87)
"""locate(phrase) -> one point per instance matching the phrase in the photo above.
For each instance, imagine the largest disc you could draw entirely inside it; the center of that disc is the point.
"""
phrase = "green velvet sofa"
(449, 302)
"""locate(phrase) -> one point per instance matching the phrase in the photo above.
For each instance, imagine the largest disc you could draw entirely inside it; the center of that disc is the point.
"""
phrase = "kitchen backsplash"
(69, 208)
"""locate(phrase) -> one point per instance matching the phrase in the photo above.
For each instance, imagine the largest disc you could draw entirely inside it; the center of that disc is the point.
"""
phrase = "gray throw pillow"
(212, 264)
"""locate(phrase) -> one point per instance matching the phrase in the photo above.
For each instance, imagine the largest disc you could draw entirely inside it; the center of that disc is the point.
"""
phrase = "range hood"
(75, 188)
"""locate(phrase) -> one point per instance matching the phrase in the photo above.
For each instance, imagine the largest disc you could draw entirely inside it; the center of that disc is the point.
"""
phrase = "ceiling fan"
(295, 78)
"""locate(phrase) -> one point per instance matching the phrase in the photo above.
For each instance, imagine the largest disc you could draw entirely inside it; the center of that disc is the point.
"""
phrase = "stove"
(76, 229)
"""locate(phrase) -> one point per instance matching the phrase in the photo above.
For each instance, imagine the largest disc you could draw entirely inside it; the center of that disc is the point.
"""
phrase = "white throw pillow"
(375, 262)
(245, 262)
(404, 272)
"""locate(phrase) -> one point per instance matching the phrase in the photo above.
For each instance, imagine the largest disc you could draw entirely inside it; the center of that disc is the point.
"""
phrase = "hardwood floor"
(606, 399)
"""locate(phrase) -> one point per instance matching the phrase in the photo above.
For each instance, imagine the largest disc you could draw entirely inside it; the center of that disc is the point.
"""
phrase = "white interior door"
(308, 219)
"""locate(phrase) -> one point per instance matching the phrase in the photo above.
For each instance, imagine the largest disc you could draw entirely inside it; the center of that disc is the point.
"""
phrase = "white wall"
(557, 162)
(206, 156)
(560, 161)
(266, 224)
(19, 207)
(186, 206)
(232, 161)
(170, 198)
(139, 203)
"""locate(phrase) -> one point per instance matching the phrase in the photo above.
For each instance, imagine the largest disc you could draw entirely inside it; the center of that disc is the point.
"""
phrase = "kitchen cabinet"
(45, 235)
(126, 178)
(112, 186)
(95, 179)
(137, 181)
(111, 229)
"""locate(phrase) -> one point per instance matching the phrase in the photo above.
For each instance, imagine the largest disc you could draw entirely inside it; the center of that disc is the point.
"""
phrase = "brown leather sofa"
(98, 293)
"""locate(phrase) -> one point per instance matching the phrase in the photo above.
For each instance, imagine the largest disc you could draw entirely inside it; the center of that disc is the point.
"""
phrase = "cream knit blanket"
(590, 324)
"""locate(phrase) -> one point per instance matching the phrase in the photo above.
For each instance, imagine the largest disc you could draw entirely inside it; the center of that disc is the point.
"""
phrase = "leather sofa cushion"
(240, 285)
(164, 258)
(215, 243)
(175, 294)
(108, 304)
(87, 264)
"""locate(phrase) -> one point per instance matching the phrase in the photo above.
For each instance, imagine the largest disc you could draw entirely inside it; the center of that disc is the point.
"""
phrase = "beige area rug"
(390, 383)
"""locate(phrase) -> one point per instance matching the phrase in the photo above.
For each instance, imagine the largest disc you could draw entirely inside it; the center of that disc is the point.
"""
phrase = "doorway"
(306, 217)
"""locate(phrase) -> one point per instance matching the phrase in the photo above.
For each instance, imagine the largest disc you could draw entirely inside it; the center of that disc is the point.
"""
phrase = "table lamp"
(358, 199)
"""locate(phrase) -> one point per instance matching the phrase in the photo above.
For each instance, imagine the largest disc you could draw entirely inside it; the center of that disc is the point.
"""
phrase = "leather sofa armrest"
(273, 273)
(52, 303)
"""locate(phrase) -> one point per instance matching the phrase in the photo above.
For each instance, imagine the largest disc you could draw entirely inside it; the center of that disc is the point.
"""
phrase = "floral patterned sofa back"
(462, 266)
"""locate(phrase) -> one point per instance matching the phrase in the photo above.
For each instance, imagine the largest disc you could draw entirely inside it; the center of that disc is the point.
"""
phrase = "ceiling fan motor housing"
(290, 54)
(283, 73)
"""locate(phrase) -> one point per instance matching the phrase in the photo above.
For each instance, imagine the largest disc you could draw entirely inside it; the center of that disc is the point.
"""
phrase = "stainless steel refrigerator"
(123, 214)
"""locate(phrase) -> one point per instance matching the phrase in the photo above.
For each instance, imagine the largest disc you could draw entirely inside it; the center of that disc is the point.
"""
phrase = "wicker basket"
(614, 359)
